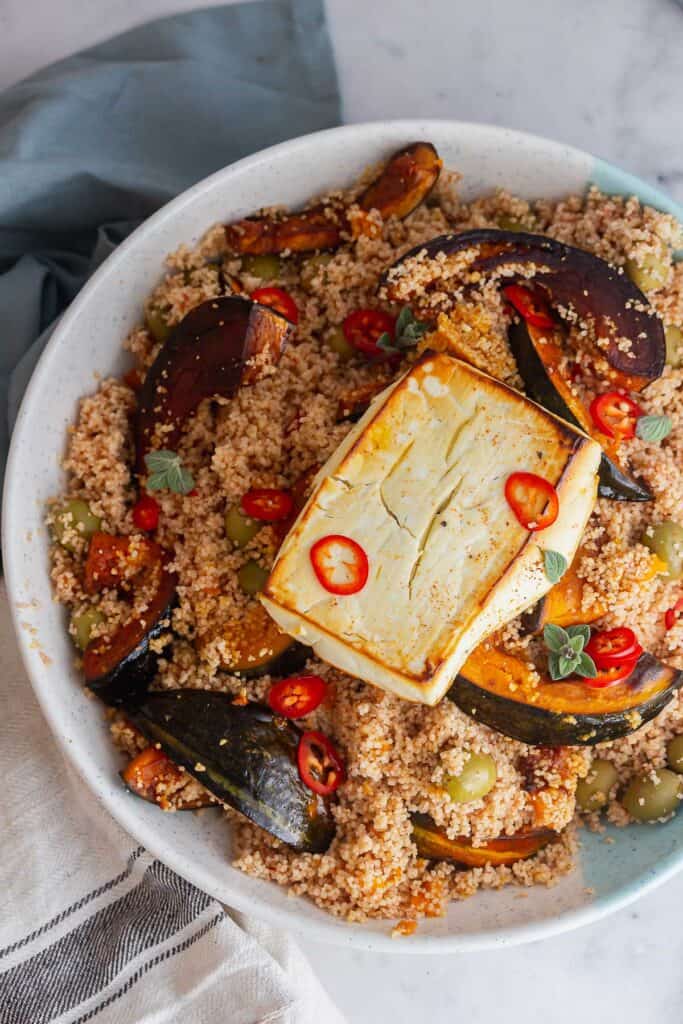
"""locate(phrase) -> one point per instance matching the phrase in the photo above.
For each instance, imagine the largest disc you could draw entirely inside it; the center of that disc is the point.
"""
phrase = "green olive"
(650, 272)
(76, 516)
(157, 324)
(267, 267)
(240, 528)
(666, 540)
(508, 223)
(674, 346)
(252, 577)
(674, 754)
(336, 339)
(476, 779)
(82, 626)
(592, 793)
(648, 800)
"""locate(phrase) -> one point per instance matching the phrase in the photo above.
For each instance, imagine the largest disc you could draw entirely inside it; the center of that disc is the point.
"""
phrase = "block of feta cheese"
(419, 485)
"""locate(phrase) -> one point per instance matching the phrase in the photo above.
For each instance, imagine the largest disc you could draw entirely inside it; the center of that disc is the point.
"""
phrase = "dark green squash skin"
(255, 771)
(130, 678)
(540, 727)
(613, 482)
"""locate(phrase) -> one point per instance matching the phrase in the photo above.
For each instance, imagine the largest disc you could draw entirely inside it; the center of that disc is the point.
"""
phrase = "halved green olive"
(592, 793)
(336, 339)
(84, 624)
(649, 272)
(648, 799)
(252, 577)
(74, 515)
(674, 754)
(240, 528)
(477, 778)
(267, 267)
(674, 346)
(157, 324)
(666, 541)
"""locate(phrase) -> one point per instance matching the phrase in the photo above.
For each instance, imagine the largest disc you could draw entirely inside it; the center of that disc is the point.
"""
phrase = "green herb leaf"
(384, 342)
(555, 565)
(576, 644)
(554, 666)
(555, 637)
(166, 472)
(653, 428)
(567, 665)
(582, 631)
(408, 330)
(586, 666)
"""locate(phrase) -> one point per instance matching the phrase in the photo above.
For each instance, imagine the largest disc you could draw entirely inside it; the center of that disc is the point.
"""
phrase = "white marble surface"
(606, 76)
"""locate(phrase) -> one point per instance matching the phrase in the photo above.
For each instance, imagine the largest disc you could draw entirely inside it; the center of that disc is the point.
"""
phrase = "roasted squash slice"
(434, 844)
(120, 666)
(540, 356)
(503, 692)
(221, 344)
(254, 646)
(405, 181)
(152, 776)
(245, 756)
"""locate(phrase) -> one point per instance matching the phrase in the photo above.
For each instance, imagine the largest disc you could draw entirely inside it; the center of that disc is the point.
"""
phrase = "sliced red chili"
(533, 499)
(146, 513)
(296, 696)
(279, 300)
(671, 614)
(612, 647)
(268, 504)
(364, 327)
(616, 415)
(340, 564)
(607, 676)
(529, 305)
(320, 766)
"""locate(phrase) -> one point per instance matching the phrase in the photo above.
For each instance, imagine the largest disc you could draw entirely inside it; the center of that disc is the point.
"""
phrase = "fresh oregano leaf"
(653, 428)
(576, 644)
(554, 666)
(555, 565)
(166, 472)
(554, 637)
(586, 666)
(580, 630)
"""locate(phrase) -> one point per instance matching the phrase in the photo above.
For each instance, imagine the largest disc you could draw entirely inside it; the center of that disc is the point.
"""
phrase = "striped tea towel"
(93, 928)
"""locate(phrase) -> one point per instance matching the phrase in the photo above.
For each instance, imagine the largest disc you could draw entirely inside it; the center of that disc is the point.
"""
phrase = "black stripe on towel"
(87, 959)
(180, 947)
(78, 905)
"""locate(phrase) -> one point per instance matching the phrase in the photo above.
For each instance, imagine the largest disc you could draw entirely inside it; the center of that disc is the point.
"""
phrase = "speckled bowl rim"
(606, 176)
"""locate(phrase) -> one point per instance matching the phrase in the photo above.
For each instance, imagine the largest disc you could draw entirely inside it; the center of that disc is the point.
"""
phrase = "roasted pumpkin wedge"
(221, 344)
(254, 646)
(245, 756)
(503, 692)
(152, 776)
(120, 666)
(406, 180)
(434, 844)
(571, 279)
(563, 604)
(539, 355)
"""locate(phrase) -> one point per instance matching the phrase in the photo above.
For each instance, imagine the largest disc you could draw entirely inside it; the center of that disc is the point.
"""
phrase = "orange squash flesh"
(154, 777)
(563, 604)
(435, 845)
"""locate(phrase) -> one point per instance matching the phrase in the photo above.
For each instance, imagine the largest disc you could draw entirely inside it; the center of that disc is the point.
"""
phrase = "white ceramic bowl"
(88, 342)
